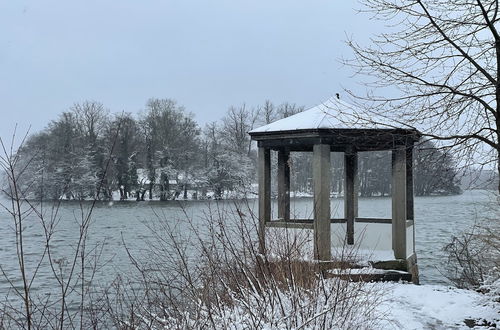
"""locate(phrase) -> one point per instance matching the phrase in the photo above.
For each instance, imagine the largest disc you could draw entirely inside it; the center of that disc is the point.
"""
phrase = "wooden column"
(410, 212)
(410, 215)
(350, 192)
(283, 185)
(321, 180)
(264, 173)
(399, 206)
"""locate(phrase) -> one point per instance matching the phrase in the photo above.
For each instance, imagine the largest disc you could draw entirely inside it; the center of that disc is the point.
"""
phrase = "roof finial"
(337, 95)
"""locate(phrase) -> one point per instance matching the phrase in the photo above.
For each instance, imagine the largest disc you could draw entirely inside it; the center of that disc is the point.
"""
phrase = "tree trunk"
(162, 193)
(498, 168)
(165, 187)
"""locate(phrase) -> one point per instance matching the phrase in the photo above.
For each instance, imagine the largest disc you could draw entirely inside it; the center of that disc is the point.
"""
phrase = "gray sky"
(207, 55)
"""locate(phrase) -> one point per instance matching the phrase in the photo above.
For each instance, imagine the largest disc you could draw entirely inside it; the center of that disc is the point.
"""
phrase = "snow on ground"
(409, 306)
(379, 305)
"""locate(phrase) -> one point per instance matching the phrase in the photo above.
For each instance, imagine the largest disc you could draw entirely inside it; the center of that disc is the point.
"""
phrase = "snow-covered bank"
(363, 306)
(408, 306)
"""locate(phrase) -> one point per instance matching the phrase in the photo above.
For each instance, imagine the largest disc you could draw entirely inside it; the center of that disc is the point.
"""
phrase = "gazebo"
(321, 130)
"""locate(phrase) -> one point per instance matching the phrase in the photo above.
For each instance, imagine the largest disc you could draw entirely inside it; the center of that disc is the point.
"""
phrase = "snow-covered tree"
(171, 140)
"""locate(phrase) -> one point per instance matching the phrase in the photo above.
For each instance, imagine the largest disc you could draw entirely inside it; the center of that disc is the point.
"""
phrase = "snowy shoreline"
(235, 197)
(408, 306)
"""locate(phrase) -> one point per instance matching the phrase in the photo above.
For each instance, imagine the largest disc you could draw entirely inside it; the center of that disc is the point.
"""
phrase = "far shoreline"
(227, 199)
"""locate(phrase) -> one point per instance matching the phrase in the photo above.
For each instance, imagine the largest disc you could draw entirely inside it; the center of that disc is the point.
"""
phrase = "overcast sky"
(207, 55)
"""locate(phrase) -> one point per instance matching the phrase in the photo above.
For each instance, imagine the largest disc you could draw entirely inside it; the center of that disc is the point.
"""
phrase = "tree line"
(163, 153)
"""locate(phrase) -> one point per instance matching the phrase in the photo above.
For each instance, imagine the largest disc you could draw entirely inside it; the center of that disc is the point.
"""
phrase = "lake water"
(436, 220)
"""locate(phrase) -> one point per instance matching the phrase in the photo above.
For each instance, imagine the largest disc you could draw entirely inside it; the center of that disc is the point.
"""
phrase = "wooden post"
(410, 215)
(350, 192)
(399, 207)
(321, 179)
(283, 185)
(264, 173)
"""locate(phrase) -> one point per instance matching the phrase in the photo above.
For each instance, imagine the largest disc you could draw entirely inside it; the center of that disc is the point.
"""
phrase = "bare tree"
(438, 69)
(236, 124)
(268, 112)
(91, 117)
(91, 120)
(289, 109)
(171, 140)
(71, 273)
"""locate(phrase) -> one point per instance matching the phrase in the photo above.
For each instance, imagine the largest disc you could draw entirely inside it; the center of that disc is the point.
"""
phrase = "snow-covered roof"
(337, 123)
(320, 116)
(333, 113)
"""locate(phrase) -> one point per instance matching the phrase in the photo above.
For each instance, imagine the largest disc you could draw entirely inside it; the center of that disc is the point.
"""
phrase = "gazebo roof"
(334, 122)
(324, 115)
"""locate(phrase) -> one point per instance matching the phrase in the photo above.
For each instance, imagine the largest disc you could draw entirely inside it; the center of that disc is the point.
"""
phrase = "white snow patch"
(410, 306)
(115, 195)
(367, 306)
(357, 271)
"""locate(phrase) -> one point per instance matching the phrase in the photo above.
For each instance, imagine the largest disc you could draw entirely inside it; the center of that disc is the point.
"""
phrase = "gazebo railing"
(308, 223)
(362, 223)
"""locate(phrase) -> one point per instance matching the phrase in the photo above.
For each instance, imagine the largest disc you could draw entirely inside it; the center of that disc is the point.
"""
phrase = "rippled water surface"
(113, 224)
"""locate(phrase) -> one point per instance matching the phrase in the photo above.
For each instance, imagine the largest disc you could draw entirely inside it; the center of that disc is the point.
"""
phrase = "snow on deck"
(373, 242)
